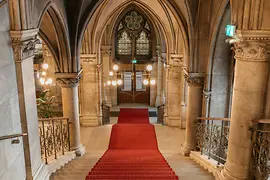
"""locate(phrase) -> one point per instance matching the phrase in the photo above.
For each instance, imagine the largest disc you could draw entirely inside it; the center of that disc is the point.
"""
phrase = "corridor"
(97, 141)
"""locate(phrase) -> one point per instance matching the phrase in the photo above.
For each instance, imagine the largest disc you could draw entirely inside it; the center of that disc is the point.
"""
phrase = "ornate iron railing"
(54, 134)
(212, 138)
(160, 114)
(105, 114)
(260, 166)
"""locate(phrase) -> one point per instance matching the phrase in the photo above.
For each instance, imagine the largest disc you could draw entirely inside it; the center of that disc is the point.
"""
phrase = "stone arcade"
(207, 93)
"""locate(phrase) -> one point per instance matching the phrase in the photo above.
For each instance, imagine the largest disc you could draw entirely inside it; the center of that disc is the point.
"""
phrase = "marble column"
(173, 90)
(251, 71)
(194, 105)
(153, 88)
(23, 43)
(90, 91)
(106, 63)
(159, 81)
(69, 83)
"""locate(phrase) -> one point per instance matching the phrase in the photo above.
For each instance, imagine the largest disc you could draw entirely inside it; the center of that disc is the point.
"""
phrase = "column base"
(227, 175)
(89, 121)
(173, 120)
(80, 151)
(186, 149)
(42, 173)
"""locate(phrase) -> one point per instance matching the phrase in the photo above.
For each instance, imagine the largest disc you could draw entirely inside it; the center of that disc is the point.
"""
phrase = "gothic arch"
(56, 36)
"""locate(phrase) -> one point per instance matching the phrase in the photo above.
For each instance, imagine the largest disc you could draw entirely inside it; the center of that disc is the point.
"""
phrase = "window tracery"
(133, 36)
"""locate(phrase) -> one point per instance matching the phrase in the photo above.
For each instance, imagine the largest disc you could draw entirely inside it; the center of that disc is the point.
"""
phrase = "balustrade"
(212, 138)
(260, 166)
(105, 114)
(160, 114)
(54, 136)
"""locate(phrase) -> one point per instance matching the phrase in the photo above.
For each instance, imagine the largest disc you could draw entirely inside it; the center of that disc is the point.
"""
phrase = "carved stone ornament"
(207, 95)
(69, 82)
(250, 51)
(193, 81)
(24, 49)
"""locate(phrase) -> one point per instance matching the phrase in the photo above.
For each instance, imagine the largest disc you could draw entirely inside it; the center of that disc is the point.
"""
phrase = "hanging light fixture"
(115, 67)
(119, 82)
(114, 83)
(145, 82)
(153, 82)
(110, 73)
(45, 66)
(149, 67)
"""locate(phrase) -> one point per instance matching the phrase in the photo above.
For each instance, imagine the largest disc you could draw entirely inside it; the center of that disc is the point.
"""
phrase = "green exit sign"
(230, 30)
(134, 61)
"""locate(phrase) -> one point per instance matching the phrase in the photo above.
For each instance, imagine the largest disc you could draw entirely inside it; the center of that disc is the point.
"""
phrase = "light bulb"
(114, 83)
(45, 66)
(115, 67)
(145, 82)
(111, 73)
(149, 67)
(42, 81)
(43, 73)
(49, 81)
(109, 83)
(119, 82)
(153, 82)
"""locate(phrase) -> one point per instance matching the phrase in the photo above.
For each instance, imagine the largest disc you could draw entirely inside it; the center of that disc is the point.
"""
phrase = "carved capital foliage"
(250, 51)
(69, 82)
(23, 44)
(194, 79)
(207, 95)
(106, 51)
(177, 60)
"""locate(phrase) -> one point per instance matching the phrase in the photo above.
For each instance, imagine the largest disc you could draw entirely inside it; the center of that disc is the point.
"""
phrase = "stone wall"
(11, 156)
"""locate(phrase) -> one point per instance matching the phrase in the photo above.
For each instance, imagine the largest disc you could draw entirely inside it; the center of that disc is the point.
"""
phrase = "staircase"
(78, 168)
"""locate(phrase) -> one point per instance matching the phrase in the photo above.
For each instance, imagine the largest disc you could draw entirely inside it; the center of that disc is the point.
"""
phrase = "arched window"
(133, 38)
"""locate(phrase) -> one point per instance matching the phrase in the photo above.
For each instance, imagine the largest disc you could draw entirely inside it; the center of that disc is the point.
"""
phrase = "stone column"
(69, 83)
(153, 88)
(106, 63)
(251, 71)
(90, 92)
(23, 43)
(173, 102)
(194, 105)
(159, 80)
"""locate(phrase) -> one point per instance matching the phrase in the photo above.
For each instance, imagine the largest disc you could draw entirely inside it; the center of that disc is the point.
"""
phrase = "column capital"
(106, 50)
(252, 51)
(23, 43)
(193, 79)
(68, 80)
(177, 59)
(88, 58)
(207, 95)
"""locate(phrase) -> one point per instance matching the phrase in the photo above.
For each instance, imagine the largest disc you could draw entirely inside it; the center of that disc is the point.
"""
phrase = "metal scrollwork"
(261, 155)
(212, 139)
(54, 138)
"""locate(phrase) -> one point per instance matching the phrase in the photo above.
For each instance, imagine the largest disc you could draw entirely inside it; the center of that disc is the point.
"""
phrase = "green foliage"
(46, 105)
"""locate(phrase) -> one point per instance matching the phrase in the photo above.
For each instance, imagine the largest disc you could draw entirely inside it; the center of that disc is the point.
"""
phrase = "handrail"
(12, 136)
(53, 119)
(213, 119)
(262, 121)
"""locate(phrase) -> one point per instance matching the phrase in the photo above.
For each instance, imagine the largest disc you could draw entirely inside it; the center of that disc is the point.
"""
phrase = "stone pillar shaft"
(159, 81)
(70, 99)
(193, 111)
(23, 43)
(251, 71)
(153, 88)
(90, 92)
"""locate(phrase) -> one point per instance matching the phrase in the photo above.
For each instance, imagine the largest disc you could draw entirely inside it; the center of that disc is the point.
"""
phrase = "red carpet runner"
(133, 152)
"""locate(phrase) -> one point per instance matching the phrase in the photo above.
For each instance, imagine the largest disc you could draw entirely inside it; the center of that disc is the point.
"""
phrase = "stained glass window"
(124, 44)
(133, 36)
(127, 81)
(142, 44)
